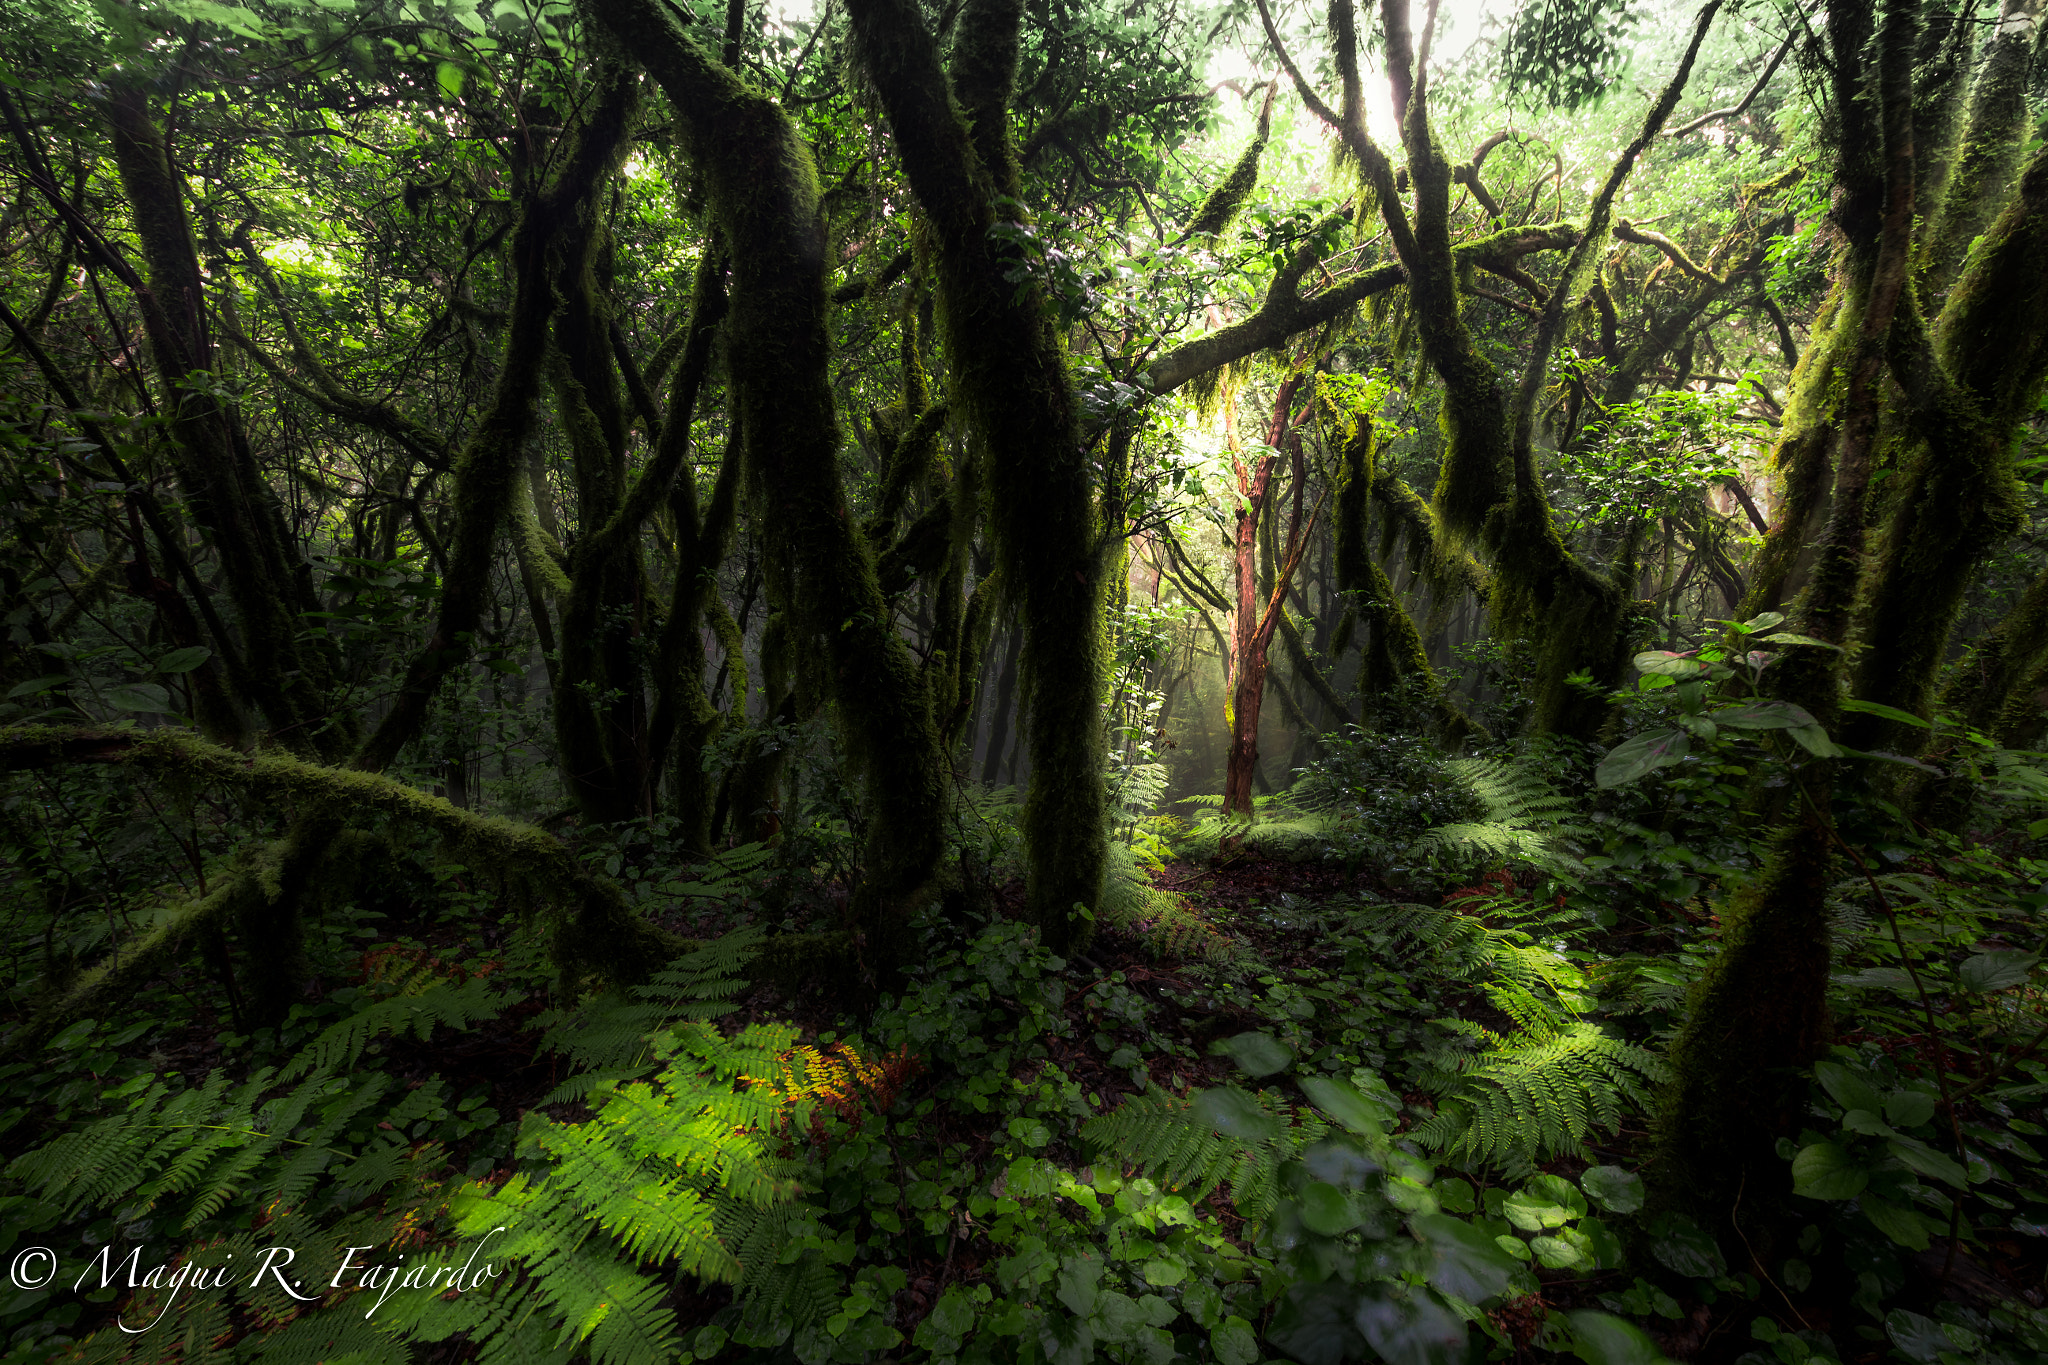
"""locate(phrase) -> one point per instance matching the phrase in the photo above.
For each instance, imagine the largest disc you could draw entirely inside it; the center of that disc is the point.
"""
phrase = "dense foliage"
(1023, 683)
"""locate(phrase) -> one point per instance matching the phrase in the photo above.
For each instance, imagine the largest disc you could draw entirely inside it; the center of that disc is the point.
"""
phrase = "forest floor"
(1127, 1017)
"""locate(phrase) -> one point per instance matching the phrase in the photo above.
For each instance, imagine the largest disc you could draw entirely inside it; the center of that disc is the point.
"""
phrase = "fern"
(1536, 1095)
(679, 1172)
(1163, 1136)
(1539, 1090)
(1277, 829)
(1525, 819)
(210, 1145)
(726, 875)
(1167, 921)
(607, 1038)
(418, 1012)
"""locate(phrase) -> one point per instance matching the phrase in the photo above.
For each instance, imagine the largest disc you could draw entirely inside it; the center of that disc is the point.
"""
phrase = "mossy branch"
(593, 929)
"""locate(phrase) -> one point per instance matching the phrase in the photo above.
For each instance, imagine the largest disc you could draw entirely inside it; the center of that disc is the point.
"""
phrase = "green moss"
(1009, 376)
(1954, 496)
(1803, 456)
(287, 676)
(592, 929)
(1756, 1020)
(1221, 205)
(1981, 169)
(1394, 648)
(489, 469)
(763, 193)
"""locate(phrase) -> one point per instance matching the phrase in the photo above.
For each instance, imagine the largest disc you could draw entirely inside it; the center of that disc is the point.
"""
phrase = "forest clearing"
(1024, 682)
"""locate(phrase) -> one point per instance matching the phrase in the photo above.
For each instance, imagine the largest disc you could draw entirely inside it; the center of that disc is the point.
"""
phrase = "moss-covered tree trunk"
(763, 191)
(285, 675)
(1965, 390)
(1488, 484)
(951, 131)
(1758, 1016)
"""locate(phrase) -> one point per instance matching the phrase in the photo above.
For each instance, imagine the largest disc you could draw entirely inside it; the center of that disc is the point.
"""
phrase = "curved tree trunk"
(763, 192)
(1010, 371)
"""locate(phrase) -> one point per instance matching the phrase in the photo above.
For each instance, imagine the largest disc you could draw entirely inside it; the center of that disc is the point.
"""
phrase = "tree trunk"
(763, 191)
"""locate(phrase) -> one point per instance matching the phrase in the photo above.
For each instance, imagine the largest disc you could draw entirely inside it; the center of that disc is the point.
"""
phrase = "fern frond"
(341, 1044)
(1160, 1134)
(1525, 818)
(1530, 1099)
(609, 1034)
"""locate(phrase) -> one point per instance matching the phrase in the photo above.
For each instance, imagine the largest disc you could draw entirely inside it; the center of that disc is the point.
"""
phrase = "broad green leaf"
(1864, 1121)
(1873, 708)
(1342, 1101)
(1411, 1330)
(954, 1312)
(1203, 1302)
(1641, 756)
(1908, 1108)
(1613, 1189)
(1607, 1249)
(1233, 1113)
(1569, 1249)
(1850, 1089)
(1827, 1171)
(1669, 664)
(184, 660)
(1764, 622)
(1684, 1248)
(1328, 1210)
(1080, 1282)
(1921, 1158)
(1761, 715)
(1455, 1195)
(1788, 638)
(1559, 1191)
(1903, 1226)
(1118, 1316)
(1925, 1341)
(1466, 1263)
(1260, 1054)
(1603, 1339)
(140, 697)
(451, 76)
(1233, 1342)
(1532, 1211)
(1814, 739)
(1065, 1340)
(1886, 756)
(74, 1035)
(1162, 1271)
(1341, 1162)
(35, 685)
(1996, 970)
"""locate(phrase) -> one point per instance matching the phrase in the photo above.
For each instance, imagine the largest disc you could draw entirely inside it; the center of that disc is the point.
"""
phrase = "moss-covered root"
(1756, 1020)
(594, 930)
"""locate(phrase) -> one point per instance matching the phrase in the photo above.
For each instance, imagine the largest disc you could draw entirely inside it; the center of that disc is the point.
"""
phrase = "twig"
(1757, 1260)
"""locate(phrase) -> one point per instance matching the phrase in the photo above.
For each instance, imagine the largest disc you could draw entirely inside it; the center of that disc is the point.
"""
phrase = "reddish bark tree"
(1252, 625)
